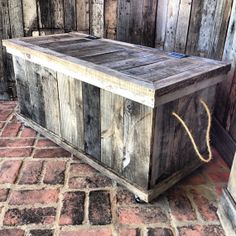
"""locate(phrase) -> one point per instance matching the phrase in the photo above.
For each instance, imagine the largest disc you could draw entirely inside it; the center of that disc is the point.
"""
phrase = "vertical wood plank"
(97, 18)
(51, 99)
(23, 90)
(83, 7)
(182, 25)
(33, 74)
(57, 14)
(16, 18)
(161, 20)
(71, 110)
(112, 134)
(70, 15)
(136, 21)
(172, 17)
(92, 120)
(110, 13)
(225, 98)
(30, 16)
(137, 140)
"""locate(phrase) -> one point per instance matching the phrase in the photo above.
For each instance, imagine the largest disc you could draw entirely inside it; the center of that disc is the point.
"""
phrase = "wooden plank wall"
(204, 28)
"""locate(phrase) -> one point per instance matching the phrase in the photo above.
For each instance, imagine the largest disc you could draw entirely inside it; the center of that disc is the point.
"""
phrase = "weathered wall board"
(120, 118)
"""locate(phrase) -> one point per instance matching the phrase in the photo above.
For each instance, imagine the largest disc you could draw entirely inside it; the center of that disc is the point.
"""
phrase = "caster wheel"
(138, 199)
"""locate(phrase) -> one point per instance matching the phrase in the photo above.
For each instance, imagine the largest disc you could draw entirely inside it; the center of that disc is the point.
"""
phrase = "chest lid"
(145, 75)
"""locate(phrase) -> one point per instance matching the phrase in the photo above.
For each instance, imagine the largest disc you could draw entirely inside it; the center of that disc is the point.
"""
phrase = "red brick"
(213, 230)
(3, 195)
(30, 216)
(195, 230)
(9, 171)
(51, 153)
(43, 196)
(7, 105)
(196, 178)
(206, 207)
(72, 212)
(99, 208)
(55, 172)
(141, 215)
(16, 142)
(88, 232)
(41, 232)
(12, 232)
(81, 169)
(15, 152)
(1, 125)
(45, 143)
(180, 205)
(96, 181)
(31, 172)
(4, 114)
(124, 197)
(11, 130)
(160, 232)
(28, 133)
(129, 232)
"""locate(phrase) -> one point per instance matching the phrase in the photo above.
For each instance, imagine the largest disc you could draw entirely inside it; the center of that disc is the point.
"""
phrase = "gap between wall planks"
(188, 26)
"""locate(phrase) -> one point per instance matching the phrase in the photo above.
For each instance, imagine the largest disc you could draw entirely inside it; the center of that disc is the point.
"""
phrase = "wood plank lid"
(146, 75)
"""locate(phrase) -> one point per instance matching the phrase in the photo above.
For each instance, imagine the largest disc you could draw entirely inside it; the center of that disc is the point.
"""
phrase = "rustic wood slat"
(71, 110)
(110, 21)
(92, 120)
(171, 25)
(161, 19)
(97, 17)
(23, 90)
(232, 180)
(30, 16)
(82, 9)
(137, 120)
(182, 25)
(112, 133)
(70, 15)
(51, 102)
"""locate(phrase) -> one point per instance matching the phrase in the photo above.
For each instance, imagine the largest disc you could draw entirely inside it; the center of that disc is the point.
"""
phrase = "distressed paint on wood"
(138, 121)
(232, 180)
(92, 120)
(71, 110)
(112, 133)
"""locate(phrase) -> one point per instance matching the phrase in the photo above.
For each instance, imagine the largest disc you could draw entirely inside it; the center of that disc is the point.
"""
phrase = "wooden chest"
(111, 103)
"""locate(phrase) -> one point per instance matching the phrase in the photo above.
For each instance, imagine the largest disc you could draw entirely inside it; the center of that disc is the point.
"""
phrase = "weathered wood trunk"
(227, 206)
(111, 103)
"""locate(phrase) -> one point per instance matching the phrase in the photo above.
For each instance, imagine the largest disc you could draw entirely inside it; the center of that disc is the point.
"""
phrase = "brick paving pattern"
(45, 191)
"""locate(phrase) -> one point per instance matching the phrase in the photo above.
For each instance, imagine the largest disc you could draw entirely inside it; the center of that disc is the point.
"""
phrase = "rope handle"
(207, 133)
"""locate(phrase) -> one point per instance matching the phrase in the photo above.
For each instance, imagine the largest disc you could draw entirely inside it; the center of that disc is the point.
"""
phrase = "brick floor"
(45, 191)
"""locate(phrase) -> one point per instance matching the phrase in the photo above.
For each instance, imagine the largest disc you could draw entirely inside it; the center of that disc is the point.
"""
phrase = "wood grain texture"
(110, 21)
(171, 24)
(131, 24)
(92, 120)
(70, 15)
(82, 9)
(137, 142)
(161, 19)
(97, 18)
(172, 148)
(71, 110)
(112, 130)
(30, 16)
